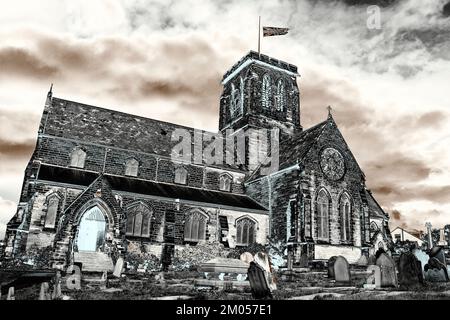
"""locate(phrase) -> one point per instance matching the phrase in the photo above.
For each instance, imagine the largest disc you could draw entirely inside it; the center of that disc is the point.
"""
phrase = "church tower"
(260, 92)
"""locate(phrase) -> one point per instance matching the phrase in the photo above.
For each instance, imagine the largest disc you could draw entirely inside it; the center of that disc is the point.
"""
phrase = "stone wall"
(325, 252)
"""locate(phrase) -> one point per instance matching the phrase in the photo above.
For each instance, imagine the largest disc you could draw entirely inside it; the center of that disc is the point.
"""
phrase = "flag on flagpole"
(273, 31)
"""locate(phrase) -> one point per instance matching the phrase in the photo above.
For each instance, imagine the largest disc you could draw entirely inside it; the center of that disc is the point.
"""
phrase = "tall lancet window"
(131, 167)
(266, 91)
(195, 226)
(235, 101)
(281, 95)
(245, 231)
(77, 158)
(322, 205)
(345, 217)
(138, 220)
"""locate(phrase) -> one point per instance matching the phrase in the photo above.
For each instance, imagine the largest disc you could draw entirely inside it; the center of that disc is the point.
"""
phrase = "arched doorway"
(91, 231)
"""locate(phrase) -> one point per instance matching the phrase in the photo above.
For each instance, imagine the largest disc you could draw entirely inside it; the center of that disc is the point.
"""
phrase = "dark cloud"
(317, 93)
(17, 149)
(381, 3)
(399, 193)
(19, 61)
(446, 10)
(396, 215)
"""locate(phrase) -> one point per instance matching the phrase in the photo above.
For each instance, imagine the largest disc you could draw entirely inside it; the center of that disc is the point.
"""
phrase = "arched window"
(180, 175)
(235, 101)
(77, 158)
(345, 217)
(245, 232)
(138, 221)
(52, 211)
(281, 95)
(195, 226)
(373, 226)
(322, 204)
(131, 167)
(225, 182)
(266, 91)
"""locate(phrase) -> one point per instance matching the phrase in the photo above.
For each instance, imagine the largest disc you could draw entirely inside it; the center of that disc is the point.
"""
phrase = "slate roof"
(158, 189)
(293, 150)
(375, 210)
(91, 124)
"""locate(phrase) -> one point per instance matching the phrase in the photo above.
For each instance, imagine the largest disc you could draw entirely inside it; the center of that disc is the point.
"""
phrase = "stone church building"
(101, 182)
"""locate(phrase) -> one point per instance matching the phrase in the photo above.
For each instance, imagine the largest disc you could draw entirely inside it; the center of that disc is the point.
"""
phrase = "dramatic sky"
(389, 87)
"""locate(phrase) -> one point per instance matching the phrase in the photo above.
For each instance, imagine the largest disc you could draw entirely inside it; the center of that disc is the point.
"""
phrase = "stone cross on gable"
(329, 110)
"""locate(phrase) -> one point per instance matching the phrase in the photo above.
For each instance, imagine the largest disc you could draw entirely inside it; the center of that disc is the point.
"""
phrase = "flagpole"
(259, 36)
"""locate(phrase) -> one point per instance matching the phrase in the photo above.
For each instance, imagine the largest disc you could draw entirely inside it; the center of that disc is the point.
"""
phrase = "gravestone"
(44, 294)
(438, 253)
(11, 295)
(362, 261)
(341, 270)
(331, 262)
(409, 270)
(104, 280)
(118, 268)
(388, 271)
(57, 294)
(374, 279)
(246, 257)
(258, 282)
(379, 252)
(262, 259)
(435, 275)
(436, 271)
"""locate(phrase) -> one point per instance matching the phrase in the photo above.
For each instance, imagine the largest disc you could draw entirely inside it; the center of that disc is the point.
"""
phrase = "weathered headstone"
(44, 293)
(246, 257)
(57, 294)
(388, 271)
(438, 253)
(409, 270)
(341, 270)
(118, 267)
(362, 261)
(262, 259)
(436, 271)
(258, 282)
(374, 279)
(11, 295)
(104, 280)
(331, 262)
(379, 252)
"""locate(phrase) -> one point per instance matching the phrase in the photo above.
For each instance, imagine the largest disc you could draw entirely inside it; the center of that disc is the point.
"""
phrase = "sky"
(388, 86)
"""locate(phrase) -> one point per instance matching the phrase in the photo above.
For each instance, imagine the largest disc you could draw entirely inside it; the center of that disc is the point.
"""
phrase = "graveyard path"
(94, 261)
